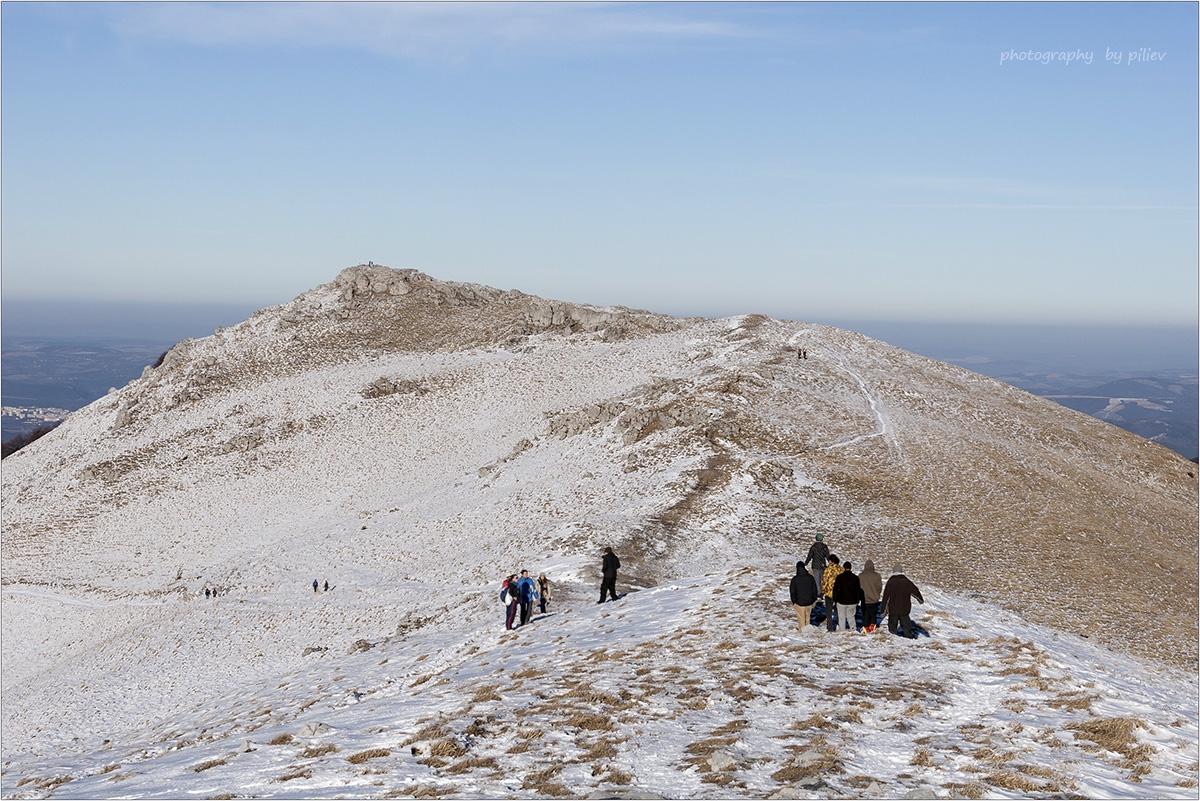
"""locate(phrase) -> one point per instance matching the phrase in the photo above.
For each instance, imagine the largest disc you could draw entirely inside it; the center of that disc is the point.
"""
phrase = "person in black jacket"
(609, 571)
(804, 595)
(847, 592)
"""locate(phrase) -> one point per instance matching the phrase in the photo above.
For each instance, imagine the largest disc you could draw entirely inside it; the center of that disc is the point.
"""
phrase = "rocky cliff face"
(415, 440)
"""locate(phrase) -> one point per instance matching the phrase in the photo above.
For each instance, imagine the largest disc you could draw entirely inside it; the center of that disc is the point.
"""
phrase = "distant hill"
(1161, 408)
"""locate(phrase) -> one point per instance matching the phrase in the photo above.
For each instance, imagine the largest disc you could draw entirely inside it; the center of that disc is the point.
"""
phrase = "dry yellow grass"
(1012, 781)
(370, 753)
(472, 763)
(966, 790)
(620, 777)
(1113, 734)
(589, 721)
(314, 751)
(298, 773)
(542, 782)
(814, 721)
(793, 772)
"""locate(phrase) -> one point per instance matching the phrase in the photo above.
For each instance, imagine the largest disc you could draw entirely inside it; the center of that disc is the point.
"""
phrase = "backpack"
(504, 593)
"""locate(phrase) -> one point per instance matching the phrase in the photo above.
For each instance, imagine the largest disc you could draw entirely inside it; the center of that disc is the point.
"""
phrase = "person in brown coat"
(897, 602)
(872, 589)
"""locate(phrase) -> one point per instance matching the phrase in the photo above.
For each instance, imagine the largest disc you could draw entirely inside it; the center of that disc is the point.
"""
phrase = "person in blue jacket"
(527, 593)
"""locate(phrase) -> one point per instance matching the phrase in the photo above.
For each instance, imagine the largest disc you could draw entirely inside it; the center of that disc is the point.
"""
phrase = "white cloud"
(440, 31)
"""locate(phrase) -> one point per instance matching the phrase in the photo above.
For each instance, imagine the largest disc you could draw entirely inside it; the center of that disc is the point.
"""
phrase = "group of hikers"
(843, 592)
(520, 594)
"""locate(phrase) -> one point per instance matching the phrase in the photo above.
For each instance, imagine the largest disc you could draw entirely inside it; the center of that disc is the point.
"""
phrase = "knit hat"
(820, 537)
(898, 569)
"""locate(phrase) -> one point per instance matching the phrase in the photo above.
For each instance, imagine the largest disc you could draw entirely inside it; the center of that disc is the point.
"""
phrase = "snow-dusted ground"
(642, 695)
(261, 458)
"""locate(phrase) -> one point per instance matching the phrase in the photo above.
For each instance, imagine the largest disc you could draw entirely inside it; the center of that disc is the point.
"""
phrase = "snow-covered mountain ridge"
(413, 440)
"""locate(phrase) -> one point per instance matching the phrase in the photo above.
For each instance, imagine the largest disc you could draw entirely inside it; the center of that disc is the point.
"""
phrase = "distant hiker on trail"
(206, 592)
(527, 594)
(543, 590)
(804, 595)
(832, 571)
(846, 594)
(818, 554)
(508, 597)
(609, 571)
(314, 585)
(872, 588)
(327, 585)
(897, 602)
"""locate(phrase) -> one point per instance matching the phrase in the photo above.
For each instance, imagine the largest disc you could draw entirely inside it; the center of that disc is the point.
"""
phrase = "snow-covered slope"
(411, 441)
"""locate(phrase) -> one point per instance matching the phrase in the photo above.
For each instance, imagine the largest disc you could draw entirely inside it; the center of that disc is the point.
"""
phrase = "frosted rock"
(791, 793)
(315, 728)
(722, 761)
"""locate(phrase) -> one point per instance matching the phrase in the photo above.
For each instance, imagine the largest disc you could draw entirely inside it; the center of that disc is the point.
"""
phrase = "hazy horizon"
(1085, 348)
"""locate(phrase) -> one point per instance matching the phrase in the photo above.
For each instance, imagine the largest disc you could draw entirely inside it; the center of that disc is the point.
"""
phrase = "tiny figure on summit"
(315, 585)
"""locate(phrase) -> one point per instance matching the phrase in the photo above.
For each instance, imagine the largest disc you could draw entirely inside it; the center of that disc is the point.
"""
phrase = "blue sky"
(809, 161)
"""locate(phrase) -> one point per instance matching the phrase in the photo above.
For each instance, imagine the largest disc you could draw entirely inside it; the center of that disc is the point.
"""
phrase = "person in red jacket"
(897, 602)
